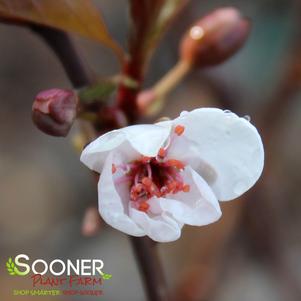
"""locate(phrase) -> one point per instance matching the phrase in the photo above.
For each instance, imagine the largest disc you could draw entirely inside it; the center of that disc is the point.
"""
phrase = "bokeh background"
(252, 253)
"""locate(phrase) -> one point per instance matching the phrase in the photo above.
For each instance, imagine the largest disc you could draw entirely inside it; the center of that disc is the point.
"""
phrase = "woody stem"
(150, 268)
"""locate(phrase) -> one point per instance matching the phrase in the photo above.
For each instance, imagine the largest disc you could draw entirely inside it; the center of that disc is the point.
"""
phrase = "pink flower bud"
(91, 223)
(54, 111)
(214, 38)
(145, 99)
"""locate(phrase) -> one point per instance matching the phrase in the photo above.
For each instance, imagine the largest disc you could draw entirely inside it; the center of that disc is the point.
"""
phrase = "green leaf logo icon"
(12, 269)
(105, 276)
(10, 266)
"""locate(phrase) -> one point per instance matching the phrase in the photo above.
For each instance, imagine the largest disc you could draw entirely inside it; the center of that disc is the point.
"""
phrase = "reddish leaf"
(78, 16)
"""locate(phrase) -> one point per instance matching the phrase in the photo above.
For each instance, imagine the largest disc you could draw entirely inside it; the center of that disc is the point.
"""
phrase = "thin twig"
(77, 70)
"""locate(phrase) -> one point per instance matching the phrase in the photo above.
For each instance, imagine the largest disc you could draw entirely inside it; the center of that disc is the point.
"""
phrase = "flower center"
(153, 176)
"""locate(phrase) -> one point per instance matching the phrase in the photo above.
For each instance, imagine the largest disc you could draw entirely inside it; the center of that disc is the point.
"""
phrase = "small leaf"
(78, 16)
(10, 266)
(106, 276)
(98, 92)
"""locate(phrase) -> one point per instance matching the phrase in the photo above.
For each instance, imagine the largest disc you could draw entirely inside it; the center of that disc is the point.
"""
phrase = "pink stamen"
(144, 206)
(162, 152)
(147, 182)
(186, 188)
(136, 178)
(175, 163)
(149, 171)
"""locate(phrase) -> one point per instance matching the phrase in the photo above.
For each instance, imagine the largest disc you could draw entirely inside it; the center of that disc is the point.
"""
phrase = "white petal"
(198, 207)
(111, 207)
(230, 145)
(185, 150)
(95, 153)
(160, 227)
(145, 139)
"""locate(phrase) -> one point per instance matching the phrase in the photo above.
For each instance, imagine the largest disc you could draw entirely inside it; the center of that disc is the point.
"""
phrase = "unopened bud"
(150, 102)
(145, 99)
(214, 38)
(91, 224)
(54, 111)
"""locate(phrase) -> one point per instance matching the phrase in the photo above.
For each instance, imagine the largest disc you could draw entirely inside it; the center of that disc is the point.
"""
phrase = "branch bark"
(150, 268)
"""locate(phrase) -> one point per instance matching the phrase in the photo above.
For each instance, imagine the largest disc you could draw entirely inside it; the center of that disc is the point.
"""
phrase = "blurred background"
(252, 253)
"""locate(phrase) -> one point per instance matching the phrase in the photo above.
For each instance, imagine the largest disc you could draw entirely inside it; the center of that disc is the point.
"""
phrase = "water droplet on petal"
(227, 111)
(247, 117)
(183, 113)
(196, 32)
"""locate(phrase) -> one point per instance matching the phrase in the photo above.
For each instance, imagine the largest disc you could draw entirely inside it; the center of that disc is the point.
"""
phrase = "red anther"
(114, 168)
(186, 188)
(154, 190)
(172, 186)
(180, 186)
(136, 191)
(145, 159)
(143, 206)
(133, 195)
(175, 163)
(139, 188)
(179, 129)
(147, 182)
(162, 152)
(151, 187)
(158, 194)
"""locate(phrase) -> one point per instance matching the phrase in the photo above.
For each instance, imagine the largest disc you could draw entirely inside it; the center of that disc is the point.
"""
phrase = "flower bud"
(91, 223)
(150, 102)
(54, 111)
(145, 99)
(214, 38)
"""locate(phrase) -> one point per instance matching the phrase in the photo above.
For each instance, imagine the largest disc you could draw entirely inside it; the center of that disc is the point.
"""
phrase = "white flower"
(156, 178)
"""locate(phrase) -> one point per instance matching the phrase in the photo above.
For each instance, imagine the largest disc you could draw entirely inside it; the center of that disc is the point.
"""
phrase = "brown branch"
(76, 69)
(150, 268)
